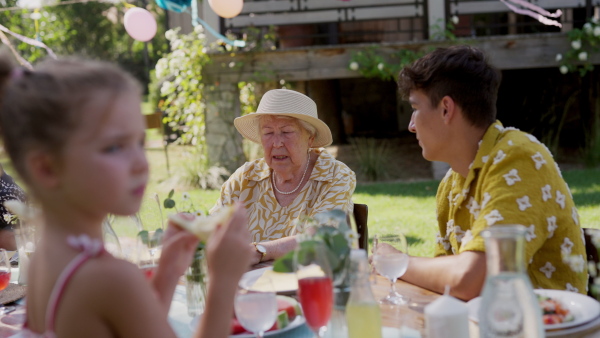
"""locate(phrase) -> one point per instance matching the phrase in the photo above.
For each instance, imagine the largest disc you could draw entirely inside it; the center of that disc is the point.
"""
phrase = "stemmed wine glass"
(315, 286)
(257, 310)
(391, 264)
(4, 277)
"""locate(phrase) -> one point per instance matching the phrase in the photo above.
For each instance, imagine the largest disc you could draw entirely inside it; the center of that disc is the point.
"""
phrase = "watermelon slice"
(288, 308)
(290, 305)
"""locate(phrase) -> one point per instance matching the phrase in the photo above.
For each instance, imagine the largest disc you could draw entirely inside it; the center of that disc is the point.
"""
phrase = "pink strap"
(89, 248)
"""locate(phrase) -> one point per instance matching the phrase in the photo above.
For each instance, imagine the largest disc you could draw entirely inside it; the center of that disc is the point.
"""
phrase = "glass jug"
(509, 308)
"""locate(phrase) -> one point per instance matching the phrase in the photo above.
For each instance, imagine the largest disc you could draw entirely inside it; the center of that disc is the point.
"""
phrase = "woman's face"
(285, 143)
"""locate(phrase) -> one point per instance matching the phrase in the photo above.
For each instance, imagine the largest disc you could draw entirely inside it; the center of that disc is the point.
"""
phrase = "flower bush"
(584, 42)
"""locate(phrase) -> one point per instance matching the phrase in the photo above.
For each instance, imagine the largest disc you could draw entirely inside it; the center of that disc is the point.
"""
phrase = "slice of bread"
(203, 226)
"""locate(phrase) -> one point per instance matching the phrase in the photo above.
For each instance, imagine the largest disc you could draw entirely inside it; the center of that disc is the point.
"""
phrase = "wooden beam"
(331, 62)
(332, 15)
(495, 6)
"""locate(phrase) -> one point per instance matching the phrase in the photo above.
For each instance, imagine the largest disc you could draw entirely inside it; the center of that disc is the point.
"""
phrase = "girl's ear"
(42, 169)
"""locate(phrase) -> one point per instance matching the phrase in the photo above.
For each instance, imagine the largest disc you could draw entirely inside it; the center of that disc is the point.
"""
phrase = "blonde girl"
(74, 132)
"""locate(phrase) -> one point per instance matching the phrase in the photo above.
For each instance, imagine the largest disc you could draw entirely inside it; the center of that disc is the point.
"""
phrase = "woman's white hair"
(312, 131)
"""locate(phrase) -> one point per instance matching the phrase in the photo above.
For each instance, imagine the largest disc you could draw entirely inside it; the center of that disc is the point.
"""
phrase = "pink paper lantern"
(227, 8)
(140, 24)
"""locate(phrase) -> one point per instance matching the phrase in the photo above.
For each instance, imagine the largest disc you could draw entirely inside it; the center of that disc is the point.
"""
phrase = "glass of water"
(391, 263)
(257, 310)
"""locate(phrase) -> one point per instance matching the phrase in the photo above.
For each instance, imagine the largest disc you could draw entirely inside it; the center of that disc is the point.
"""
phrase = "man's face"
(428, 124)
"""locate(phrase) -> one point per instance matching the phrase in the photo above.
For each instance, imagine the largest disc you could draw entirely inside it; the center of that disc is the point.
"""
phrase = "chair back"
(361, 215)
(592, 253)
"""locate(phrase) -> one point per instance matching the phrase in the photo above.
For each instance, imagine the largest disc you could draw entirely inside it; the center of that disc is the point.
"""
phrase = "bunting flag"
(30, 41)
(534, 11)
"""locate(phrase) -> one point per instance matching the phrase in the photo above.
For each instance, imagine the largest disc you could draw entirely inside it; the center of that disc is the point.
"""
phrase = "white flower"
(35, 16)
(576, 262)
(558, 57)
(539, 160)
(231, 64)
(512, 177)
(171, 34)
(380, 66)
(454, 19)
(566, 247)
(530, 234)
(563, 69)
(166, 88)
(351, 236)
(185, 196)
(576, 44)
(548, 269)
(551, 225)
(499, 156)
(582, 56)
(572, 288)
(587, 27)
(595, 20)
(7, 218)
(546, 192)
(198, 29)
(597, 31)
(493, 217)
(560, 199)
(354, 65)
(592, 269)
(524, 203)
(199, 213)
(161, 68)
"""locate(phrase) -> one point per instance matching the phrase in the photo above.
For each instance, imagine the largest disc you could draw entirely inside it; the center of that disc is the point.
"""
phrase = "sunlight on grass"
(406, 207)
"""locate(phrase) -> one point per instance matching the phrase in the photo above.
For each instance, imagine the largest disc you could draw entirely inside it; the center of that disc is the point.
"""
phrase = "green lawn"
(409, 207)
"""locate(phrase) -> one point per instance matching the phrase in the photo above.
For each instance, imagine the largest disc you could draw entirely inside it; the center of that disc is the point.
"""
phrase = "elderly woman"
(296, 177)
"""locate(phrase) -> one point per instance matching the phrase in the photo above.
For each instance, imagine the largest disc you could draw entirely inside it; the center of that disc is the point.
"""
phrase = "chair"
(361, 215)
(592, 253)
(154, 121)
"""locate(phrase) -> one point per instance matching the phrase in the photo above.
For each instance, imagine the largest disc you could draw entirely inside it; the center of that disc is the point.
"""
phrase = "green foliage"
(584, 42)
(371, 63)
(182, 87)
(92, 30)
(330, 230)
(373, 156)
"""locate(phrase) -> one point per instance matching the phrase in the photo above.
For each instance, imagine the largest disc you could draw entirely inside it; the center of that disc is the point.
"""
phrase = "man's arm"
(464, 273)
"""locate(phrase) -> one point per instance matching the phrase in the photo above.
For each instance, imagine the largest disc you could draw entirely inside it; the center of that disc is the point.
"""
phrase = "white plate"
(583, 308)
(280, 281)
(299, 320)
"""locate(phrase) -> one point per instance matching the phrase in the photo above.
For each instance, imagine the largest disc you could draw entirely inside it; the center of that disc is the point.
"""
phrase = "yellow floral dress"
(514, 180)
(330, 186)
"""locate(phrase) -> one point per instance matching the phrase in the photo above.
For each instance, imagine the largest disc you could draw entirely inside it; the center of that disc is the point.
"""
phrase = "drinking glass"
(4, 277)
(315, 286)
(392, 265)
(149, 248)
(257, 310)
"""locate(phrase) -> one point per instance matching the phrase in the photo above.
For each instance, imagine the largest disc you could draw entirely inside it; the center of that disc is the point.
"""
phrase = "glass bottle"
(196, 283)
(362, 311)
(509, 308)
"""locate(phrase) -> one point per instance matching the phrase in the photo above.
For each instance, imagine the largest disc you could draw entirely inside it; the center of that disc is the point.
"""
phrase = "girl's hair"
(39, 109)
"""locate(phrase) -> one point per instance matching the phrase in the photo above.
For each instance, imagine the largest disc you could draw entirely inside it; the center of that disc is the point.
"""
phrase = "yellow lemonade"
(364, 320)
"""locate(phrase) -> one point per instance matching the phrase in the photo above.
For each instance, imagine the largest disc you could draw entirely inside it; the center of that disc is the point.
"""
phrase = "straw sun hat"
(284, 102)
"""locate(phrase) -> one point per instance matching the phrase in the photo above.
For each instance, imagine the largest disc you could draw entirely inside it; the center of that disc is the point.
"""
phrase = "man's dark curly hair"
(460, 72)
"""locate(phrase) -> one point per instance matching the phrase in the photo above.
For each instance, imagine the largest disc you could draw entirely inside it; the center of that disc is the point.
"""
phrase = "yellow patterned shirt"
(330, 186)
(514, 180)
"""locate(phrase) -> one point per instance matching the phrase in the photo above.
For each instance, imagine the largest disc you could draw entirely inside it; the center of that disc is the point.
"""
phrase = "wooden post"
(224, 143)
(211, 18)
(436, 13)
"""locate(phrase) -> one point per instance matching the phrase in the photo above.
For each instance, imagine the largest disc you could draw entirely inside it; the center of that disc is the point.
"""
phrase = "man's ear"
(449, 108)
(42, 168)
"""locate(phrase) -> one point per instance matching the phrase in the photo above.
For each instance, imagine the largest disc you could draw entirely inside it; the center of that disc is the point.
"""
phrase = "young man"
(498, 176)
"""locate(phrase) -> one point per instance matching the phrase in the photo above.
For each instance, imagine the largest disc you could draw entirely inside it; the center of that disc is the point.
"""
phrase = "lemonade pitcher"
(509, 308)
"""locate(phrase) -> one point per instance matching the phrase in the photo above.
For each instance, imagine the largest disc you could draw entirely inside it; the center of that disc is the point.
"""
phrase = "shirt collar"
(486, 145)
(322, 171)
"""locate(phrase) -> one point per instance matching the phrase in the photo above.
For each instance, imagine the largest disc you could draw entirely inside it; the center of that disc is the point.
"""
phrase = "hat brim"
(247, 125)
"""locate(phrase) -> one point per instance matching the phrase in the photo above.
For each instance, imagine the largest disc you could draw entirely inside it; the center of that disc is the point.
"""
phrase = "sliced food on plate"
(554, 311)
(287, 310)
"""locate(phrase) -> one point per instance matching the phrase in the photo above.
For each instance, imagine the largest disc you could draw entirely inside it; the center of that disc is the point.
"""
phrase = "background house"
(316, 40)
